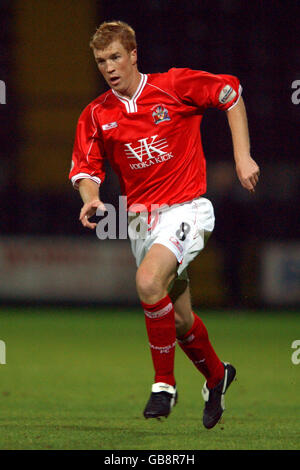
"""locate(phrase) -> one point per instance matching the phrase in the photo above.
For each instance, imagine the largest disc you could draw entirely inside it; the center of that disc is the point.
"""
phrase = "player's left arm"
(246, 168)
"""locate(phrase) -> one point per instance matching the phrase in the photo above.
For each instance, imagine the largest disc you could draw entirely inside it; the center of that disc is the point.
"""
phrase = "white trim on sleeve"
(81, 176)
(234, 104)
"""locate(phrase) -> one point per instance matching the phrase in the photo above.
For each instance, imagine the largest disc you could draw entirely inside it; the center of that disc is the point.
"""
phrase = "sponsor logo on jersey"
(110, 125)
(160, 114)
(147, 151)
(227, 94)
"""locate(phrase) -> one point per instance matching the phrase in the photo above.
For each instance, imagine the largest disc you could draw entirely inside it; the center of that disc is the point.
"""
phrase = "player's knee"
(148, 286)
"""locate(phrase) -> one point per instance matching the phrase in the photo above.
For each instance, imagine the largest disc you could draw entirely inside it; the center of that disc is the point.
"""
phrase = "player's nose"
(110, 67)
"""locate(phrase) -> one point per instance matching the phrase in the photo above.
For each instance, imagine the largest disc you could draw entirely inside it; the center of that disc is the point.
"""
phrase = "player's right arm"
(87, 172)
(89, 192)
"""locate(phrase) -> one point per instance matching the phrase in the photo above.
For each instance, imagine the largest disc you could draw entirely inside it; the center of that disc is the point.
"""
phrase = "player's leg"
(153, 277)
(155, 273)
(193, 339)
(180, 296)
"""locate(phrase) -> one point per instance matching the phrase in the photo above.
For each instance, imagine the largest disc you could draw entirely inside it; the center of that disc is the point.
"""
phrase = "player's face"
(119, 68)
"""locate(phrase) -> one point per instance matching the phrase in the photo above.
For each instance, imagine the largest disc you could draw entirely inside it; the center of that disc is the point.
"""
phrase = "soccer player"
(148, 128)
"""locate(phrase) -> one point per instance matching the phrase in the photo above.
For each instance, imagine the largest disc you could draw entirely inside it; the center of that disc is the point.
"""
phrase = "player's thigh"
(158, 267)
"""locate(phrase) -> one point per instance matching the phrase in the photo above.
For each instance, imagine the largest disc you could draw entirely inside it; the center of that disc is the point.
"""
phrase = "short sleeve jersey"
(152, 141)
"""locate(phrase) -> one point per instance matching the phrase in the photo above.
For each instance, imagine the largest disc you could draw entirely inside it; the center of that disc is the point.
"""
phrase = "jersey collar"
(131, 104)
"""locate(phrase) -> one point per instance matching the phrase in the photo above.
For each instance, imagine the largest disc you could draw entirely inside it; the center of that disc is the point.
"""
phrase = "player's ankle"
(217, 376)
(165, 379)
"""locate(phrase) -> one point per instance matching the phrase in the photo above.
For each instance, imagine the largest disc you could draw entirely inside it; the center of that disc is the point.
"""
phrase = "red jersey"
(152, 141)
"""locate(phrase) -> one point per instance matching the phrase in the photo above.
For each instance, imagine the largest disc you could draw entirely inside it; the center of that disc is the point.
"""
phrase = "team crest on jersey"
(160, 114)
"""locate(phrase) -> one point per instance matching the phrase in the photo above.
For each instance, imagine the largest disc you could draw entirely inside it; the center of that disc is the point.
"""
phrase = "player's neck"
(133, 86)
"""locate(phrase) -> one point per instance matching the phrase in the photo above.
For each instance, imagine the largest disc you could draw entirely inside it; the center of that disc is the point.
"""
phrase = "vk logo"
(148, 147)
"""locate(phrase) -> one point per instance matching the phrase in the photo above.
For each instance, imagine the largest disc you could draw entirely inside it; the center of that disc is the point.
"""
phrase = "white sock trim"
(163, 387)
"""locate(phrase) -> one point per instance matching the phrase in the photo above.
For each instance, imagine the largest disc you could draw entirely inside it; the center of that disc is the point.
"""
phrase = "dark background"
(254, 40)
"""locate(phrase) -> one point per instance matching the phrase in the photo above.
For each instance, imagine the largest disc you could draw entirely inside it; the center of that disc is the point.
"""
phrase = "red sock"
(196, 345)
(160, 324)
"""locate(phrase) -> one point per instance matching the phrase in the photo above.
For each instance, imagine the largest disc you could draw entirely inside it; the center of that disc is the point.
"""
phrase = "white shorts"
(183, 228)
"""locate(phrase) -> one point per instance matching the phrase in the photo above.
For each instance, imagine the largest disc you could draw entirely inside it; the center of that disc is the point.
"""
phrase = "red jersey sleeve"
(204, 89)
(88, 153)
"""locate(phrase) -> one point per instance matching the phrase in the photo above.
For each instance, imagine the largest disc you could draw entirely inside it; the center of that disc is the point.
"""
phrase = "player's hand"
(88, 210)
(248, 173)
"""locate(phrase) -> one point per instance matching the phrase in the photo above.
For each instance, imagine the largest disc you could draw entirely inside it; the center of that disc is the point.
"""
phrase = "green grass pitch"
(80, 378)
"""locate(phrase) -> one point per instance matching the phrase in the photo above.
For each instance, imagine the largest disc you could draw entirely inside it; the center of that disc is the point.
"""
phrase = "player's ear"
(133, 56)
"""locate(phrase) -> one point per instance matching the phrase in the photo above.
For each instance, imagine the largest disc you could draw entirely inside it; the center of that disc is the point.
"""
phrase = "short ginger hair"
(110, 31)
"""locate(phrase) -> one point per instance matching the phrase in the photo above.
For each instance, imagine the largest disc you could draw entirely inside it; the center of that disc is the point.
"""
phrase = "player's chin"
(115, 84)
